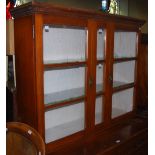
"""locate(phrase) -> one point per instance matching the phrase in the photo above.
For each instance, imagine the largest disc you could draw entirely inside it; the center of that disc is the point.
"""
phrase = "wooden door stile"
(136, 70)
(91, 77)
(109, 48)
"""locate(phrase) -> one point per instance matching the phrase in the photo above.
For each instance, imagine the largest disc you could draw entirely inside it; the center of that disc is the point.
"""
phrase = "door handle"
(110, 79)
(90, 82)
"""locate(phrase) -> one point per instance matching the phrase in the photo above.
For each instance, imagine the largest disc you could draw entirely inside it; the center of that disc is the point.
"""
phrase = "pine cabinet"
(76, 71)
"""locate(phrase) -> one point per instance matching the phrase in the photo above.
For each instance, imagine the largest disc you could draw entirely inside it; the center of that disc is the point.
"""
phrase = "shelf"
(64, 130)
(61, 61)
(99, 88)
(118, 60)
(119, 86)
(68, 128)
(75, 95)
(63, 64)
(64, 103)
(100, 61)
(98, 118)
(117, 112)
(48, 66)
(65, 96)
(118, 83)
(100, 93)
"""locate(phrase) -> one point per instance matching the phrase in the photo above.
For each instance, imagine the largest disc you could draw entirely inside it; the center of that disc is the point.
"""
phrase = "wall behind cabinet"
(89, 4)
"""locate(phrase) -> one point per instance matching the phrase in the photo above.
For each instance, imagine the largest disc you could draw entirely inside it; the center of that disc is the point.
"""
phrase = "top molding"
(47, 8)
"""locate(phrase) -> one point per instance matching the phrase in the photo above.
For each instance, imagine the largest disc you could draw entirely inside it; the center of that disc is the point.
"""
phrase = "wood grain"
(23, 139)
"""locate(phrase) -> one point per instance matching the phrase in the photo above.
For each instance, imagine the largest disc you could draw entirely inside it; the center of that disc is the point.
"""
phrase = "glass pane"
(64, 121)
(125, 44)
(64, 44)
(123, 73)
(100, 44)
(63, 84)
(99, 77)
(122, 102)
(99, 110)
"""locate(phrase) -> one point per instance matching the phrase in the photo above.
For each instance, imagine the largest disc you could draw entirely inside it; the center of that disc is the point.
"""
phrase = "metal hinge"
(33, 31)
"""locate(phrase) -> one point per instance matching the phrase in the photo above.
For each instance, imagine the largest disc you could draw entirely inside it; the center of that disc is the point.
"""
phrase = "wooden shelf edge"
(100, 61)
(64, 103)
(64, 64)
(100, 93)
(118, 60)
(123, 87)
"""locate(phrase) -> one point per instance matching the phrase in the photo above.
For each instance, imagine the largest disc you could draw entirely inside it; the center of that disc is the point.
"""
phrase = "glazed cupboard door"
(100, 68)
(124, 72)
(65, 72)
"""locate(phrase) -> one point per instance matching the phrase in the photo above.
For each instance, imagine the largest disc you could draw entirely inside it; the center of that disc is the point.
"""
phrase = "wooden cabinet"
(142, 97)
(76, 71)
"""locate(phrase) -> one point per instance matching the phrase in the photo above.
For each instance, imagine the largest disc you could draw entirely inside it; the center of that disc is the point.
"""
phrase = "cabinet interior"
(64, 121)
(123, 73)
(99, 77)
(63, 84)
(122, 102)
(125, 44)
(99, 110)
(100, 44)
(65, 44)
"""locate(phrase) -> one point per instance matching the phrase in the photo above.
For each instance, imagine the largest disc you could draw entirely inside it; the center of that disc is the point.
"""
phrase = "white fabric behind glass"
(100, 44)
(122, 102)
(64, 44)
(98, 110)
(99, 77)
(64, 121)
(124, 44)
(64, 79)
(124, 72)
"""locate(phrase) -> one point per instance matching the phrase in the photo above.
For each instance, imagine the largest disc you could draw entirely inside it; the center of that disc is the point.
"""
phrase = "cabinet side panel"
(142, 92)
(25, 71)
